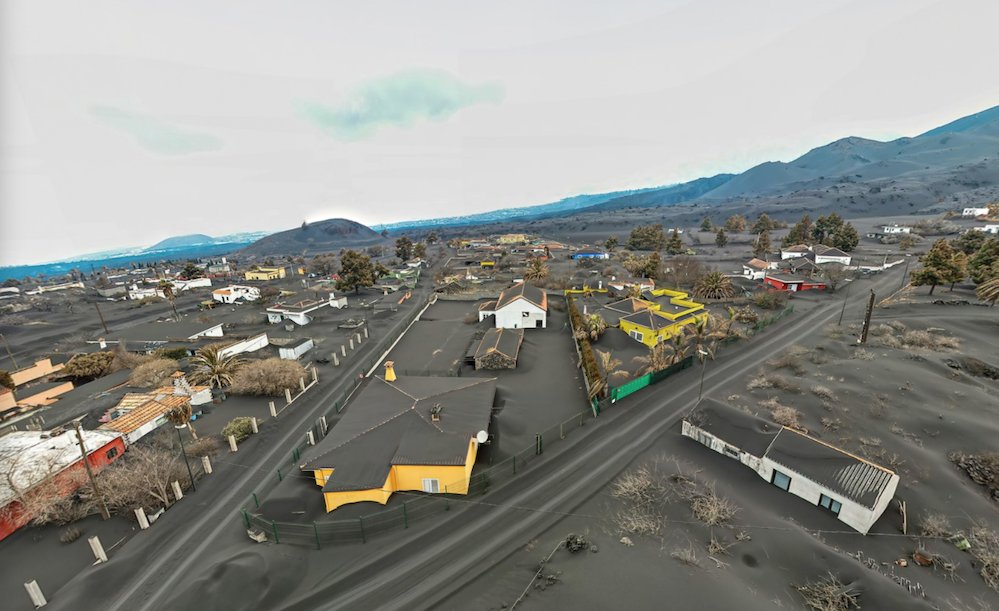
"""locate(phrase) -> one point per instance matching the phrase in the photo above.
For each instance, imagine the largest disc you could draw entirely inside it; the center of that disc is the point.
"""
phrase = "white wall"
(512, 316)
(296, 352)
(819, 259)
(247, 345)
(215, 331)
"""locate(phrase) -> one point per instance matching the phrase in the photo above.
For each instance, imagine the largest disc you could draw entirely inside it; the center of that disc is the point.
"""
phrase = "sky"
(122, 123)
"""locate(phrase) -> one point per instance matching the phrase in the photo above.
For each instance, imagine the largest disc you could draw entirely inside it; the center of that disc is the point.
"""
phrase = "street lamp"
(184, 454)
(704, 366)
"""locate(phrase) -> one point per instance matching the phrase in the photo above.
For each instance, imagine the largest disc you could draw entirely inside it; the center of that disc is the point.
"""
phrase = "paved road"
(424, 570)
(146, 571)
(420, 568)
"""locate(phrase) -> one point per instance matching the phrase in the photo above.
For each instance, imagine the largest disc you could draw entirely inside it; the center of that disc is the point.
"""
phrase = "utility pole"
(9, 353)
(843, 311)
(105, 514)
(101, 316)
(186, 461)
(867, 319)
(904, 273)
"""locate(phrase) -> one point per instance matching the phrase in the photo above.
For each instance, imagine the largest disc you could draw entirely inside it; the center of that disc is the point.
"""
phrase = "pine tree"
(801, 233)
(846, 238)
(983, 260)
(735, 223)
(706, 225)
(763, 223)
(404, 248)
(941, 265)
(674, 245)
(356, 271)
(720, 238)
(762, 247)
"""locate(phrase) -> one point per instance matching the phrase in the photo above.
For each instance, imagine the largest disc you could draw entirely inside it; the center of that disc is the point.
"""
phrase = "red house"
(47, 463)
(793, 284)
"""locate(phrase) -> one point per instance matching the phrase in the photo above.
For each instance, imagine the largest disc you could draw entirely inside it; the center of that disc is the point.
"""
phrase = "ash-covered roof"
(390, 423)
(745, 431)
(505, 341)
(522, 290)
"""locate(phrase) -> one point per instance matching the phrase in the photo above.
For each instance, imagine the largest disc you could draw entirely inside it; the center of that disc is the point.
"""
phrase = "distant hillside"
(322, 236)
(568, 205)
(196, 239)
(665, 196)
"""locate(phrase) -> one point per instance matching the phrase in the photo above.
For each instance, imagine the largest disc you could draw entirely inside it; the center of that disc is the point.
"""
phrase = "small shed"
(499, 349)
(294, 351)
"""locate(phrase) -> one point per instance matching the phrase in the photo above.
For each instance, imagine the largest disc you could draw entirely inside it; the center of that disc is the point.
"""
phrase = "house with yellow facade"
(666, 313)
(265, 273)
(404, 433)
(512, 238)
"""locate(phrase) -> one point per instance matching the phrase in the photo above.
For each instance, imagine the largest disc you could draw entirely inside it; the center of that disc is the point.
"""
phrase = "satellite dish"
(482, 436)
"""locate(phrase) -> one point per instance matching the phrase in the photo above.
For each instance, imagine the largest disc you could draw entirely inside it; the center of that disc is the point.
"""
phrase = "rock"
(575, 543)
(627, 541)
(594, 548)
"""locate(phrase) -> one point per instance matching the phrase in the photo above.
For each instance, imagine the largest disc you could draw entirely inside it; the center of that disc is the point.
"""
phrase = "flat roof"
(161, 331)
(745, 431)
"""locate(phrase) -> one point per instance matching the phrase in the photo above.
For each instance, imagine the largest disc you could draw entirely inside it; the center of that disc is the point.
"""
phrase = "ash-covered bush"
(269, 377)
(240, 428)
(152, 373)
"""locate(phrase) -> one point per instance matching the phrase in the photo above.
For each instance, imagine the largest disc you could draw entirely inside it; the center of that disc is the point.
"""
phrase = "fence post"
(273, 410)
(246, 518)
(35, 594)
(343, 350)
(312, 438)
(176, 490)
(140, 515)
(360, 521)
(287, 395)
(232, 444)
(301, 383)
(256, 501)
(253, 425)
(352, 343)
(206, 464)
(274, 528)
(98, 549)
(405, 516)
(316, 530)
(538, 449)
(447, 502)
(279, 475)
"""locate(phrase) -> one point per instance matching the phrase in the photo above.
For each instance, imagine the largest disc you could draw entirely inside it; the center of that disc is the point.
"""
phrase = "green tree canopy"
(761, 248)
(647, 237)
(674, 245)
(404, 248)
(706, 224)
(941, 265)
(356, 271)
(983, 259)
(720, 238)
(735, 223)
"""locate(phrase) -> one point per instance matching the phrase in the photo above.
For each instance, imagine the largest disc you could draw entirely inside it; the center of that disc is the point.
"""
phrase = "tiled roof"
(145, 413)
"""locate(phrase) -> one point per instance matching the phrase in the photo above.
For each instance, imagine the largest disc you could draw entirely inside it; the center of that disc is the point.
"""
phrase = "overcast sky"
(127, 122)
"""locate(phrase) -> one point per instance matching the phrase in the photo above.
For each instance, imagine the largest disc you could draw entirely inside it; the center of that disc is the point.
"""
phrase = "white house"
(194, 283)
(55, 287)
(828, 254)
(235, 293)
(294, 351)
(299, 313)
(854, 490)
(521, 306)
(9, 292)
(250, 344)
(973, 212)
(993, 229)
(756, 269)
(798, 250)
(895, 229)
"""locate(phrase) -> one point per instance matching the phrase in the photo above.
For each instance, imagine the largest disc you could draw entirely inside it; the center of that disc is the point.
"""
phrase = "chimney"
(389, 371)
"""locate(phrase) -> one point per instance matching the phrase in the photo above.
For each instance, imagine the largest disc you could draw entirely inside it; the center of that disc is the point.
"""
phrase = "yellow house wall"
(650, 338)
(337, 499)
(322, 475)
(40, 369)
(47, 397)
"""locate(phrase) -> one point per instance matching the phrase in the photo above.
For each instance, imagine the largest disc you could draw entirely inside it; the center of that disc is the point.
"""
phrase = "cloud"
(154, 134)
(401, 99)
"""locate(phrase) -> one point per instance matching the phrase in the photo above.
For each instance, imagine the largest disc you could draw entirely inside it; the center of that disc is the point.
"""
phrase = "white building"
(521, 306)
(235, 293)
(828, 254)
(854, 490)
(299, 313)
(194, 283)
(973, 212)
(293, 352)
(993, 229)
(756, 269)
(895, 229)
(798, 250)
(250, 344)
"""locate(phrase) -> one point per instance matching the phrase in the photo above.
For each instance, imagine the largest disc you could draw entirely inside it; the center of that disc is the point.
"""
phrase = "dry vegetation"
(829, 594)
(268, 377)
(773, 380)
(712, 509)
(895, 335)
(152, 373)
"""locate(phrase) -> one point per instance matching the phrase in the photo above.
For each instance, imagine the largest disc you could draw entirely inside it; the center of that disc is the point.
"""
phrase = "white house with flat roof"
(854, 490)
(973, 212)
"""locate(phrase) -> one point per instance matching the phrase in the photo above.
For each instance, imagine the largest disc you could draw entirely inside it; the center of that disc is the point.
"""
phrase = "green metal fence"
(632, 386)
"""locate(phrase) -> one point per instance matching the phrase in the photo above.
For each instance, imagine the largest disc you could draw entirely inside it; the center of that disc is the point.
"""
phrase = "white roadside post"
(232, 443)
(177, 492)
(140, 515)
(326, 427)
(352, 343)
(358, 339)
(273, 410)
(312, 438)
(206, 463)
(301, 384)
(365, 332)
(98, 549)
(35, 594)
(343, 350)
(253, 425)
(315, 374)
(287, 395)
(336, 360)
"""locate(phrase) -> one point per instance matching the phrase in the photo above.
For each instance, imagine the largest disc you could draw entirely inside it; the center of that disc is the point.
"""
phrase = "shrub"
(203, 446)
(772, 380)
(712, 509)
(790, 361)
(823, 392)
(985, 549)
(746, 315)
(171, 353)
(784, 415)
(152, 373)
(93, 365)
(829, 594)
(770, 299)
(935, 525)
(267, 377)
(240, 428)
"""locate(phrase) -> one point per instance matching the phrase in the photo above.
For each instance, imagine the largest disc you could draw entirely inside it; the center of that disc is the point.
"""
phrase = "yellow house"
(414, 433)
(512, 238)
(667, 313)
(266, 273)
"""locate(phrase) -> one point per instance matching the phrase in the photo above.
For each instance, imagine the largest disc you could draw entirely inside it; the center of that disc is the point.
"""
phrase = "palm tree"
(714, 285)
(989, 291)
(662, 355)
(180, 417)
(167, 289)
(213, 367)
(701, 338)
(593, 327)
(608, 363)
(537, 269)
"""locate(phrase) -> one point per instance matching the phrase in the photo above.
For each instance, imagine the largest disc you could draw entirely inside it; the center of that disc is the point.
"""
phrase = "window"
(780, 480)
(525, 314)
(637, 335)
(111, 453)
(731, 452)
(704, 438)
(432, 486)
(831, 505)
